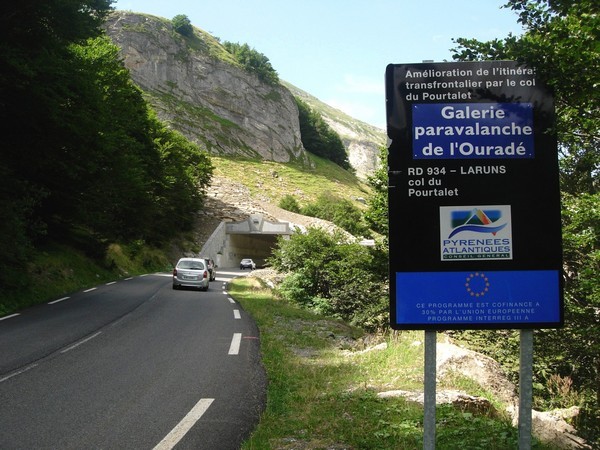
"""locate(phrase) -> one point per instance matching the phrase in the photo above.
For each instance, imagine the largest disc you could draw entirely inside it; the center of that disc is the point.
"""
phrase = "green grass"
(59, 269)
(322, 390)
(272, 180)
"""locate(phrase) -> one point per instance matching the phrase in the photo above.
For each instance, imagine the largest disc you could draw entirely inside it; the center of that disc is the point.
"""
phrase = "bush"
(289, 203)
(294, 289)
(339, 211)
(182, 25)
(333, 277)
(253, 61)
(319, 138)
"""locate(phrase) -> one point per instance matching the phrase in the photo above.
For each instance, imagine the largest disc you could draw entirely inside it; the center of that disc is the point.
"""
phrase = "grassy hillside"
(272, 181)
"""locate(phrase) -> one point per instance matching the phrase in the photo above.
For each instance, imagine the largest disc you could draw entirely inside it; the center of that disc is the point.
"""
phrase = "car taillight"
(174, 272)
(205, 274)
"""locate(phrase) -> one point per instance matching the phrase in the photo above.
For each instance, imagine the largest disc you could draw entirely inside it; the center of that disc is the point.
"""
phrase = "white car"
(247, 263)
(191, 272)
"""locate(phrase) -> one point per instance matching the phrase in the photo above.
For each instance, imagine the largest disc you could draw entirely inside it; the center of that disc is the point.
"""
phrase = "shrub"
(289, 203)
(332, 276)
(253, 61)
(319, 138)
(339, 211)
(182, 25)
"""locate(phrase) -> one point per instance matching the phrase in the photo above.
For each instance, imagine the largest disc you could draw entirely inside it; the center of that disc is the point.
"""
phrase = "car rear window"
(192, 265)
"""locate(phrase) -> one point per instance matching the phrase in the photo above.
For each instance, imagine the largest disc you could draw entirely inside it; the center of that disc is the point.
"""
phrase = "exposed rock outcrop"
(196, 87)
(549, 426)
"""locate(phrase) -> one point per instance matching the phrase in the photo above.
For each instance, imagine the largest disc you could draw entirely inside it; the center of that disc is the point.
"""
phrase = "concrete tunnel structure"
(253, 238)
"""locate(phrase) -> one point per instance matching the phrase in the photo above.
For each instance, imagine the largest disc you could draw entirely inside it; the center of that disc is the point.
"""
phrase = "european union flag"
(478, 298)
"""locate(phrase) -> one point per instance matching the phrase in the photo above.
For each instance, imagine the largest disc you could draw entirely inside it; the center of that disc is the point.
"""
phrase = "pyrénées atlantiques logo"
(475, 232)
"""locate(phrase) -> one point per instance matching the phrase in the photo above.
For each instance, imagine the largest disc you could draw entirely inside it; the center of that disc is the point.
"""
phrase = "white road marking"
(90, 290)
(225, 292)
(89, 338)
(112, 282)
(230, 300)
(18, 373)
(8, 317)
(59, 300)
(184, 426)
(130, 278)
(236, 314)
(234, 348)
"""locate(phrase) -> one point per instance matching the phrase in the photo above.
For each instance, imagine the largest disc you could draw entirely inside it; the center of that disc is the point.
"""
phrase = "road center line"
(59, 300)
(81, 342)
(230, 300)
(184, 426)
(90, 290)
(234, 348)
(236, 314)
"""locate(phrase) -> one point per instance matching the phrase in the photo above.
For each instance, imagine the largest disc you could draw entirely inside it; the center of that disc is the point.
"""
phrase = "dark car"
(191, 272)
(247, 263)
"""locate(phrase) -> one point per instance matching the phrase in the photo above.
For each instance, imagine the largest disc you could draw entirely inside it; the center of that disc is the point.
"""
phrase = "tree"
(318, 138)
(253, 61)
(332, 276)
(376, 215)
(561, 41)
(81, 148)
(181, 24)
(36, 90)
(182, 176)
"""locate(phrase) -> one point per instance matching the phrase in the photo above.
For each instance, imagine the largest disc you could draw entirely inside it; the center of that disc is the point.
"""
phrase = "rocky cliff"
(196, 86)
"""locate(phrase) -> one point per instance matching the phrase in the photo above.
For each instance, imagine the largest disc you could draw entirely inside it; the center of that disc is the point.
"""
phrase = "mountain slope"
(196, 86)
(362, 141)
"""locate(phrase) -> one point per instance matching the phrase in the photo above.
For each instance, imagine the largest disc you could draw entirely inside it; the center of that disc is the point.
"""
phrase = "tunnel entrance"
(253, 238)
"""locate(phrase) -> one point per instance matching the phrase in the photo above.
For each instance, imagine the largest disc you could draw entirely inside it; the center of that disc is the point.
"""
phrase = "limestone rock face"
(197, 88)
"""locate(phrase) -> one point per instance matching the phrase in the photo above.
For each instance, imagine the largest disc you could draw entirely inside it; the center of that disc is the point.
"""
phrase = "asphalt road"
(131, 365)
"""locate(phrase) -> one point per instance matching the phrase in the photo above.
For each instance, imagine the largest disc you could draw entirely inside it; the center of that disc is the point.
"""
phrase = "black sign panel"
(474, 199)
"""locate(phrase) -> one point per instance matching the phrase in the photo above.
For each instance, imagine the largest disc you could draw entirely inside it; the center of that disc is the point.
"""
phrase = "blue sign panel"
(472, 131)
(492, 297)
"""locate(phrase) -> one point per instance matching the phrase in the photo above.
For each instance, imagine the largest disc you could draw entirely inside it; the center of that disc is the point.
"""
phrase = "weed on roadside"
(324, 384)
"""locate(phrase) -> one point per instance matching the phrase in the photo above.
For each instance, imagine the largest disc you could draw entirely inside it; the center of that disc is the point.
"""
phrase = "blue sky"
(337, 50)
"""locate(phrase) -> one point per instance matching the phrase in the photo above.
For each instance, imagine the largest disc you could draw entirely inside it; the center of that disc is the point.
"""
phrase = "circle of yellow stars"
(481, 292)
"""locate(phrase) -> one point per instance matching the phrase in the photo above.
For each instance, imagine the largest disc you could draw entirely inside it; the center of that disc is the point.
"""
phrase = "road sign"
(474, 199)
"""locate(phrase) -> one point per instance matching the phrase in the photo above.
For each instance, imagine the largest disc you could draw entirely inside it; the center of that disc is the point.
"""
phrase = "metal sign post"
(525, 389)
(430, 390)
